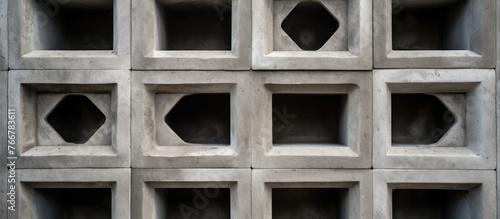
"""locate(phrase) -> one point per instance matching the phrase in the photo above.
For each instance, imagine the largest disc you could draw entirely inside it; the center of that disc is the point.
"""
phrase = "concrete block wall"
(251, 109)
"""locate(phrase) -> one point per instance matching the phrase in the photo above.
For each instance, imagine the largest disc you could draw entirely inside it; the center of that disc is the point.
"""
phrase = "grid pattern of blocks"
(251, 108)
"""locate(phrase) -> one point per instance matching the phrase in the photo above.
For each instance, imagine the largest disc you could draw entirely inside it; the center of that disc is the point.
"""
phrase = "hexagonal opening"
(310, 25)
(310, 119)
(310, 203)
(431, 203)
(431, 25)
(75, 25)
(74, 203)
(193, 203)
(202, 118)
(193, 25)
(76, 119)
(419, 119)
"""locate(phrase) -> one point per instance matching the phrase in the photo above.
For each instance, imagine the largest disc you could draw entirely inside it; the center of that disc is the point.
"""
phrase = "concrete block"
(191, 193)
(434, 118)
(76, 34)
(74, 193)
(312, 35)
(4, 46)
(312, 120)
(191, 35)
(72, 119)
(3, 138)
(434, 34)
(434, 194)
(190, 119)
(311, 193)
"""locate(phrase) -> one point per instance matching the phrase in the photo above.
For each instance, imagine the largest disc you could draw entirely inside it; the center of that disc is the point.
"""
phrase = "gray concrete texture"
(4, 45)
(51, 135)
(3, 138)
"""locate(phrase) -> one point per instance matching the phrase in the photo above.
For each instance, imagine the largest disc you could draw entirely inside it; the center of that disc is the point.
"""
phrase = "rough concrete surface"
(35, 94)
(4, 45)
(69, 34)
(44, 193)
(413, 194)
(3, 139)
(440, 34)
(208, 187)
(348, 48)
(156, 144)
(218, 37)
(354, 203)
(451, 151)
(288, 134)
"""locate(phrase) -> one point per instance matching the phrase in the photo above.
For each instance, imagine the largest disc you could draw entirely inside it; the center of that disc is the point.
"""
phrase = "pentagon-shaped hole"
(82, 25)
(202, 119)
(310, 203)
(310, 25)
(180, 202)
(76, 119)
(310, 119)
(419, 119)
(431, 203)
(73, 203)
(432, 25)
(193, 25)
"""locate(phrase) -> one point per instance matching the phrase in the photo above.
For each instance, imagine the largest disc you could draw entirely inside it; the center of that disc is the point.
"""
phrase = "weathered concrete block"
(190, 119)
(4, 46)
(434, 194)
(312, 35)
(312, 120)
(72, 119)
(184, 193)
(311, 193)
(74, 34)
(191, 35)
(75, 193)
(434, 119)
(3, 138)
(434, 34)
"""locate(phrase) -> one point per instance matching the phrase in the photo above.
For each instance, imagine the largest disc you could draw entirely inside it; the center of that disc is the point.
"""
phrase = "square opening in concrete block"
(185, 202)
(202, 118)
(310, 119)
(72, 203)
(310, 203)
(431, 203)
(431, 25)
(193, 25)
(75, 25)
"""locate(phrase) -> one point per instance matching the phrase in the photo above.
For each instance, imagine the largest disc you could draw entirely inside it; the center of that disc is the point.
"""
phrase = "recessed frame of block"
(174, 128)
(312, 120)
(51, 136)
(215, 37)
(283, 38)
(3, 138)
(191, 192)
(434, 34)
(51, 193)
(428, 193)
(467, 96)
(351, 191)
(65, 35)
(4, 46)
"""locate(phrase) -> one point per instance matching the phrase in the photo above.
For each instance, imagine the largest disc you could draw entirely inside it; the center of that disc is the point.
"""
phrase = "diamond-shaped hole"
(431, 25)
(194, 25)
(178, 203)
(202, 119)
(419, 119)
(76, 119)
(310, 25)
(310, 119)
(309, 203)
(77, 25)
(431, 203)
